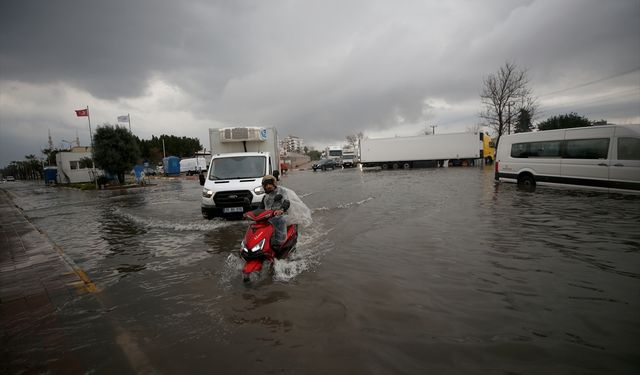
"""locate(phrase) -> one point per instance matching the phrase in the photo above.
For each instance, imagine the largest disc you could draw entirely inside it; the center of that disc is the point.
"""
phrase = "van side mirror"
(276, 174)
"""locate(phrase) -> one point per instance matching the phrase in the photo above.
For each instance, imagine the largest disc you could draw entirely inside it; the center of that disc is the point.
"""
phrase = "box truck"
(191, 166)
(333, 152)
(349, 159)
(421, 151)
(240, 157)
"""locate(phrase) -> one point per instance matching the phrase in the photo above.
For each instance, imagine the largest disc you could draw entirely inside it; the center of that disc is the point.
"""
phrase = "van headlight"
(206, 193)
(259, 190)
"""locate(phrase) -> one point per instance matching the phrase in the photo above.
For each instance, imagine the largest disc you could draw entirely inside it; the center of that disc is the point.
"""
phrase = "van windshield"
(237, 167)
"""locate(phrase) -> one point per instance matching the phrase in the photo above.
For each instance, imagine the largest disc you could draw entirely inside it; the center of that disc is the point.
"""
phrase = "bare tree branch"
(503, 95)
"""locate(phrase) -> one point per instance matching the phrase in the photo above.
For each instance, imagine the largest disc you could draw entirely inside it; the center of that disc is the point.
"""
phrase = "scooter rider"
(276, 199)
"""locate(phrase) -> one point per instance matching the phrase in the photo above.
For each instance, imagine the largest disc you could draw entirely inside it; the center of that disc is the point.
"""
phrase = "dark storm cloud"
(112, 48)
(316, 69)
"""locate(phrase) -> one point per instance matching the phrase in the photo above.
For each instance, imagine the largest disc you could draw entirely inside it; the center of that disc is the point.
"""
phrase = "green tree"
(523, 122)
(571, 120)
(50, 155)
(28, 169)
(176, 146)
(86, 162)
(315, 155)
(115, 150)
(154, 156)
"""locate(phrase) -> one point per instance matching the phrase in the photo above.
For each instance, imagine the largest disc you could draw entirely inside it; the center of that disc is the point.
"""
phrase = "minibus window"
(519, 150)
(587, 148)
(547, 149)
(628, 148)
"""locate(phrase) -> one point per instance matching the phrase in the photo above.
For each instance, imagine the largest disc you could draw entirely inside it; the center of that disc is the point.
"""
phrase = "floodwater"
(402, 272)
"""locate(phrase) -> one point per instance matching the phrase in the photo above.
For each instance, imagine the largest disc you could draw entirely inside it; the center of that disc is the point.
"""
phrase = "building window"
(74, 164)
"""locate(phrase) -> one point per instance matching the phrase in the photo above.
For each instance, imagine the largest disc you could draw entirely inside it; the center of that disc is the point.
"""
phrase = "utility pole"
(433, 129)
(509, 117)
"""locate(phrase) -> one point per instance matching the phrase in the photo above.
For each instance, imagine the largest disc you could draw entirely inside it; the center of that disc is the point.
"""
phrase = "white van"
(242, 156)
(601, 157)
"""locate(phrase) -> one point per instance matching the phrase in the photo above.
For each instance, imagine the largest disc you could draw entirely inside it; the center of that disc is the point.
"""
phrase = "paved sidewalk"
(36, 281)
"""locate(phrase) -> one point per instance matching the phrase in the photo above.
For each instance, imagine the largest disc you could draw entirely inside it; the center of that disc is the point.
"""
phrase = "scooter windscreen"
(259, 214)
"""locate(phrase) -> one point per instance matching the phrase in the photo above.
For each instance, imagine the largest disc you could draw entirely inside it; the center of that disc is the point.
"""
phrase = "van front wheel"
(526, 181)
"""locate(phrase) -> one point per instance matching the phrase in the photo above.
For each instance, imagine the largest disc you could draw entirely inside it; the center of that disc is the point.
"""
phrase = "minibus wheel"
(526, 181)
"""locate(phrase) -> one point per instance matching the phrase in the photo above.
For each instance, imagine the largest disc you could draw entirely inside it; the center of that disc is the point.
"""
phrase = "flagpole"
(90, 133)
(93, 163)
(129, 118)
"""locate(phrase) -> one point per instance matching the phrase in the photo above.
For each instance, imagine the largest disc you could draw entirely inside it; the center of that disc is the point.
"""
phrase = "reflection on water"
(400, 272)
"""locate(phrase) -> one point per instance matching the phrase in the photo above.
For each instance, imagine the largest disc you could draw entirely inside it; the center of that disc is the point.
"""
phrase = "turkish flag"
(82, 112)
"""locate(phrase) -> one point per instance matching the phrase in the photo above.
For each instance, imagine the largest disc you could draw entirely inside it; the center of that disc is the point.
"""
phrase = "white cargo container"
(240, 157)
(421, 151)
(190, 166)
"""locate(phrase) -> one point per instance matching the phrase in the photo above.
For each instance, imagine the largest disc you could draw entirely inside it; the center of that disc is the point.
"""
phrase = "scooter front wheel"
(252, 265)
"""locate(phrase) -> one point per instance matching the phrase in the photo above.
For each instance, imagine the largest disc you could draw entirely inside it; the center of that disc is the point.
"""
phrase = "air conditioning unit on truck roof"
(243, 134)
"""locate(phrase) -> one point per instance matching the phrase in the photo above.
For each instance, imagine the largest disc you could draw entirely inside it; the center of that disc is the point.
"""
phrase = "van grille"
(234, 198)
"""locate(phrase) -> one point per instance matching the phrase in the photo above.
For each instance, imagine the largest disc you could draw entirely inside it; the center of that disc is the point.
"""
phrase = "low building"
(73, 166)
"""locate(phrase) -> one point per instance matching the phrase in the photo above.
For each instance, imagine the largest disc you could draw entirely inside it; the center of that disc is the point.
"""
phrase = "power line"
(598, 99)
(592, 82)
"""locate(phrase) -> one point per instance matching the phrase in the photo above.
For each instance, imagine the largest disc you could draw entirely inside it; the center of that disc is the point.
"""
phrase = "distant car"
(325, 164)
(10, 178)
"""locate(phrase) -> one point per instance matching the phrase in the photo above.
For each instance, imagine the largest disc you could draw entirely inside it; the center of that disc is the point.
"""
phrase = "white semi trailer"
(240, 157)
(421, 151)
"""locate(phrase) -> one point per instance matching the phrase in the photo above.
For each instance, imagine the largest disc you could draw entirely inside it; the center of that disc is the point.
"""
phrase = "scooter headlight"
(258, 247)
(254, 249)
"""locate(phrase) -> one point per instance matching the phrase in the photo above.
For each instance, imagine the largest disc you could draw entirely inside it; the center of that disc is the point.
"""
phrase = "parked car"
(325, 164)
(10, 178)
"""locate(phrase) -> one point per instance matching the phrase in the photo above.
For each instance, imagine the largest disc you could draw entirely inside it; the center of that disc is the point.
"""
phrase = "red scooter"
(256, 246)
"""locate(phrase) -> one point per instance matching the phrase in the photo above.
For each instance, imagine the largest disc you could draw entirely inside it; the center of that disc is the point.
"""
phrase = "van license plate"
(228, 210)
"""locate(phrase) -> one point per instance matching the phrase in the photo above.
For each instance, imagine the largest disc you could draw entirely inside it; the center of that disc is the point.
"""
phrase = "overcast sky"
(319, 70)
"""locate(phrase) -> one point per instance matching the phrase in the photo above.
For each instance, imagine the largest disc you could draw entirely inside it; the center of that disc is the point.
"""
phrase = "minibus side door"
(625, 162)
(586, 156)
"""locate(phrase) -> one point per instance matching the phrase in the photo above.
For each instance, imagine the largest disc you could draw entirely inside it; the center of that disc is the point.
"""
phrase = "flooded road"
(406, 272)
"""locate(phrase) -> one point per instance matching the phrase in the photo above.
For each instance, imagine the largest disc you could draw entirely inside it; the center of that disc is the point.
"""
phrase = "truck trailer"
(240, 158)
(421, 151)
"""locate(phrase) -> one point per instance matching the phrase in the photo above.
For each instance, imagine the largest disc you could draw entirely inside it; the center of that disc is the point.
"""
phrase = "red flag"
(82, 112)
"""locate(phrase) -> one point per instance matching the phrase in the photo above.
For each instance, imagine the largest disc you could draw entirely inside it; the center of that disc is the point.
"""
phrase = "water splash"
(153, 223)
(344, 205)
(307, 255)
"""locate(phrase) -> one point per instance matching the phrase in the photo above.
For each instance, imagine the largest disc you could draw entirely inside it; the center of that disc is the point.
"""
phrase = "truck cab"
(233, 182)
(348, 158)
